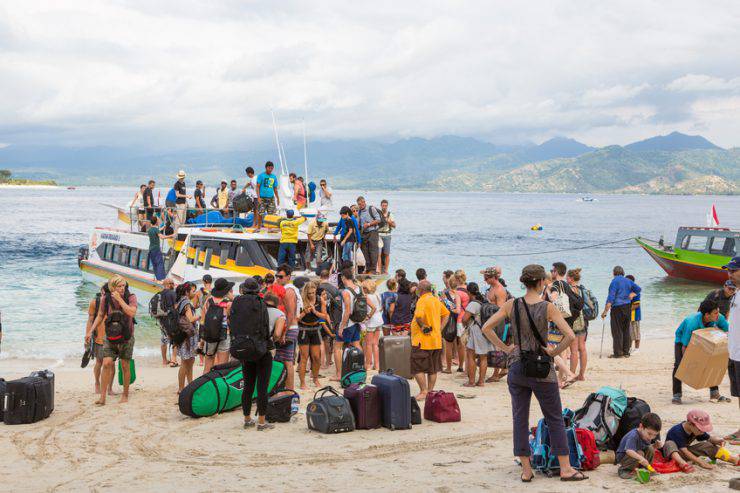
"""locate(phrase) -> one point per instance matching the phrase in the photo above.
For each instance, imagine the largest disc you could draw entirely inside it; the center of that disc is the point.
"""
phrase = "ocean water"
(43, 298)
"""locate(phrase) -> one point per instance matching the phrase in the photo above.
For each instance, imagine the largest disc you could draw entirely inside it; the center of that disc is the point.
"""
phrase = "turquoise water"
(43, 298)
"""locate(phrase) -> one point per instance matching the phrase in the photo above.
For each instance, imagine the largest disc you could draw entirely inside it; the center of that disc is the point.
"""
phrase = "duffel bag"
(442, 407)
(329, 413)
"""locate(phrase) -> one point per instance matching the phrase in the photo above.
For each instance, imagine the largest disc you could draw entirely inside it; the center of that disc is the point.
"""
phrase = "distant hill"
(675, 141)
(675, 163)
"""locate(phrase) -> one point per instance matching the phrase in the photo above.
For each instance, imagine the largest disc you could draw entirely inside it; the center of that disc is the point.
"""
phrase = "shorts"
(124, 350)
(733, 370)
(267, 206)
(187, 349)
(286, 353)
(635, 330)
(98, 351)
(350, 334)
(163, 337)
(222, 346)
(427, 361)
(386, 248)
(309, 337)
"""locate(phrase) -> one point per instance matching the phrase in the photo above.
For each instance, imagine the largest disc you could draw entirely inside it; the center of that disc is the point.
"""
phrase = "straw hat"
(181, 174)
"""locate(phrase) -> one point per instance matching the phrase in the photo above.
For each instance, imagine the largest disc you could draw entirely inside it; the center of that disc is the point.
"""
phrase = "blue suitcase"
(395, 400)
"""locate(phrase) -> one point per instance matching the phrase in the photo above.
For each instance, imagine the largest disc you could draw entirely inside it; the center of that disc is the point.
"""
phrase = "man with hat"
(317, 229)
(181, 199)
(289, 238)
(496, 292)
(733, 336)
(723, 297)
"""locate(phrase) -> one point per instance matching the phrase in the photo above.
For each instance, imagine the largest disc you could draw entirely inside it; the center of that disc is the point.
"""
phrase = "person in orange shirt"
(426, 338)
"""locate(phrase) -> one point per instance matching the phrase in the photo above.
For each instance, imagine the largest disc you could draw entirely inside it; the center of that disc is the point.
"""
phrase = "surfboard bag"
(220, 389)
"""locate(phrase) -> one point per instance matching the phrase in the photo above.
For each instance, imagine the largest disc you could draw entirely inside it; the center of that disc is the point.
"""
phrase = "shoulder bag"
(535, 364)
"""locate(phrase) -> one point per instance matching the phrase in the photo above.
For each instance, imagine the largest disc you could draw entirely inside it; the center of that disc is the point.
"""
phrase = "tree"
(5, 174)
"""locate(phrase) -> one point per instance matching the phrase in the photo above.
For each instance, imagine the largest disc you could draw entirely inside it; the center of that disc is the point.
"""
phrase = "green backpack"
(359, 376)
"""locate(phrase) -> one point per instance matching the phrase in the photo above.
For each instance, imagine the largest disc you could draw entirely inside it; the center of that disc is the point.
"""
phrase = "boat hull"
(685, 269)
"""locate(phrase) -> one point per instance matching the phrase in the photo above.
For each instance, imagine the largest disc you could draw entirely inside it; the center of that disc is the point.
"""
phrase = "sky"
(175, 74)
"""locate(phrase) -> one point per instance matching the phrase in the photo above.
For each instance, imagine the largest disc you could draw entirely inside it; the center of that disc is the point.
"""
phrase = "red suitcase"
(441, 406)
(365, 403)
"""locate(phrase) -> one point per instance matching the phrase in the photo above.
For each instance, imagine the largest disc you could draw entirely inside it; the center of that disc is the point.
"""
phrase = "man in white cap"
(317, 230)
(181, 201)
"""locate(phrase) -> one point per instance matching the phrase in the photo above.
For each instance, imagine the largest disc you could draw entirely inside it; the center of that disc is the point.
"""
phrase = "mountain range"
(674, 163)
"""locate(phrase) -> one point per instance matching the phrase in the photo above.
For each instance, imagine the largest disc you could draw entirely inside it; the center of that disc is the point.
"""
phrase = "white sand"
(147, 445)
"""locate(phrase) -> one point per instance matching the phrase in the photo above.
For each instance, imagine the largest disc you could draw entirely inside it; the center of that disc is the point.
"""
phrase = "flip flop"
(86, 358)
(577, 476)
(174, 364)
(568, 383)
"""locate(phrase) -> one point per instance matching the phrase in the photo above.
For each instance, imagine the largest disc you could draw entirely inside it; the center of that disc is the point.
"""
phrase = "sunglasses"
(279, 276)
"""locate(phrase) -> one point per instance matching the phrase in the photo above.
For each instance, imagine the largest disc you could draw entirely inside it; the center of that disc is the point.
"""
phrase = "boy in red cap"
(678, 444)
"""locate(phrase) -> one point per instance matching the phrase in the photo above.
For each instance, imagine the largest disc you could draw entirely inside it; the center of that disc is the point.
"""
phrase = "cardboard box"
(705, 360)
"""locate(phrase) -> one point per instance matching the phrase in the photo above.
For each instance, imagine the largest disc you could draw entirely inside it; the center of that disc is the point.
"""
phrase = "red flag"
(713, 218)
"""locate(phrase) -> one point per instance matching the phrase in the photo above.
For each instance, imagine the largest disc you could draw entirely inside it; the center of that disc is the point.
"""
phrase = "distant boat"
(71, 188)
(587, 199)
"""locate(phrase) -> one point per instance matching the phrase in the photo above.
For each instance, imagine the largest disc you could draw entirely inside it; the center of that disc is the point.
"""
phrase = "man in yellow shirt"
(289, 238)
(317, 230)
(426, 338)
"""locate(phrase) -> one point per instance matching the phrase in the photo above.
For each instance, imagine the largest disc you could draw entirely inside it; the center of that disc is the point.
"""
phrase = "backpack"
(383, 221)
(449, 331)
(185, 328)
(330, 414)
(156, 306)
(117, 328)
(633, 413)
(487, 310)
(250, 328)
(213, 324)
(359, 307)
(597, 415)
(282, 406)
(242, 203)
(542, 458)
(591, 457)
(590, 305)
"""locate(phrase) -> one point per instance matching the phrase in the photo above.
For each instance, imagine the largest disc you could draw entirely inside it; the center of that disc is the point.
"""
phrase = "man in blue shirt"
(349, 233)
(619, 301)
(707, 316)
(267, 193)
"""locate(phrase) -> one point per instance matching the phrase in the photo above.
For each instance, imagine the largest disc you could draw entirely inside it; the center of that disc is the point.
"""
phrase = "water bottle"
(294, 405)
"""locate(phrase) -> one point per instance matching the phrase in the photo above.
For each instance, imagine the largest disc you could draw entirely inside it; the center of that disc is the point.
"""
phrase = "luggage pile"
(28, 399)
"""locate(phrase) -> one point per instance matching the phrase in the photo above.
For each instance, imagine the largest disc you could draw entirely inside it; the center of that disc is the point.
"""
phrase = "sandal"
(577, 476)
(719, 398)
(174, 364)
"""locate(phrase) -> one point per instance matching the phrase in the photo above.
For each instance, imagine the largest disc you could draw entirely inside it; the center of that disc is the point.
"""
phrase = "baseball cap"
(733, 264)
(207, 278)
(321, 217)
(289, 213)
(700, 419)
(730, 284)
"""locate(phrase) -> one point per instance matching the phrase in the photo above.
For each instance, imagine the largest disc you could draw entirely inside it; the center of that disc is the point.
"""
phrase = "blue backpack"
(543, 460)
(590, 304)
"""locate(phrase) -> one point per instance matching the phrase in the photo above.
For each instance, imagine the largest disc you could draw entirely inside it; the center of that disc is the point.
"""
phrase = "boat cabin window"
(134, 258)
(723, 246)
(694, 243)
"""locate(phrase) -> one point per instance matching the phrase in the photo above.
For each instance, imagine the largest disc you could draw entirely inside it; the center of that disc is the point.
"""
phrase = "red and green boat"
(698, 254)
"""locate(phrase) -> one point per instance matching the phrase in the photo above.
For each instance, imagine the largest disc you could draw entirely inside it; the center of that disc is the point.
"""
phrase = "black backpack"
(334, 306)
(250, 328)
(359, 307)
(213, 324)
(156, 306)
(242, 203)
(281, 406)
(633, 413)
(383, 221)
(352, 360)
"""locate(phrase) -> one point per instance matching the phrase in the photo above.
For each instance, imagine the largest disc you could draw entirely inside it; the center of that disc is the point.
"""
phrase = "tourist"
(273, 287)
(521, 386)
(578, 352)
(315, 309)
(679, 444)
(373, 325)
(96, 334)
(168, 301)
(220, 201)
(707, 316)
(181, 201)
(187, 319)
(219, 304)
(421, 275)
(723, 297)
(388, 299)
(156, 260)
(293, 303)
(619, 301)
(317, 230)
(451, 299)
(348, 332)
(203, 292)
(400, 274)
(199, 197)
(430, 316)
(149, 200)
(325, 195)
(250, 316)
(496, 292)
(334, 305)
(250, 188)
(636, 447)
(477, 346)
(733, 338)
(268, 196)
(137, 204)
(635, 317)
(347, 233)
(289, 238)
(400, 309)
(230, 198)
(117, 306)
(369, 220)
(301, 197)
(276, 316)
(387, 225)
(560, 288)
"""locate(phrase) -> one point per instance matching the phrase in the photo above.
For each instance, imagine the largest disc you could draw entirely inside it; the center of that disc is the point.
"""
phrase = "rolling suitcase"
(395, 354)
(29, 399)
(395, 400)
(365, 403)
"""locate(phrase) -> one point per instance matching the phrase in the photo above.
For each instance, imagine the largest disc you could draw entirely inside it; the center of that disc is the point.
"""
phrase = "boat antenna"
(277, 142)
(305, 153)
(285, 159)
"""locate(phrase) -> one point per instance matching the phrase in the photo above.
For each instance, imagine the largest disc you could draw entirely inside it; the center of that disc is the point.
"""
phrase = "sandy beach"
(147, 445)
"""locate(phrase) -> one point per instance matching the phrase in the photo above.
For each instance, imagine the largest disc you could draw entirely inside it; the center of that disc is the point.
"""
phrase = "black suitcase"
(282, 406)
(29, 399)
(2, 397)
(330, 414)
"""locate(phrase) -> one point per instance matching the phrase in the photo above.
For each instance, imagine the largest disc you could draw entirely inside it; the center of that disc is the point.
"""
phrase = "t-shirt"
(377, 319)
(268, 185)
(325, 201)
(278, 291)
(223, 198)
(252, 187)
(696, 322)
(179, 187)
(289, 229)
(722, 300)
(317, 231)
(631, 441)
(199, 200)
(368, 215)
(386, 299)
(681, 437)
(734, 331)
(300, 192)
(153, 233)
(171, 196)
(386, 230)
(474, 308)
(273, 315)
(430, 310)
(148, 197)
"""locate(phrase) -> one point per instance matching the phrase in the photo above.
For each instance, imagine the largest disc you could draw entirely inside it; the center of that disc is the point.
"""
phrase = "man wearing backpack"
(335, 313)
(496, 292)
(560, 287)
(167, 302)
(96, 335)
(354, 311)
(370, 218)
(430, 316)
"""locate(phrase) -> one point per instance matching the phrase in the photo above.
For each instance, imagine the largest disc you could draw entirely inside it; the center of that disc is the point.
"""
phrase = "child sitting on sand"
(636, 448)
(678, 443)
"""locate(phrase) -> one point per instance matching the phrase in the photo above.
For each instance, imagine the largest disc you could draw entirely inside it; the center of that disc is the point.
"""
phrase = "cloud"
(172, 74)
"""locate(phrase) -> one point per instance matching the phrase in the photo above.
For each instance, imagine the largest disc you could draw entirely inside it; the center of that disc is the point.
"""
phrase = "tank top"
(310, 320)
(377, 319)
(298, 300)
(402, 313)
(529, 343)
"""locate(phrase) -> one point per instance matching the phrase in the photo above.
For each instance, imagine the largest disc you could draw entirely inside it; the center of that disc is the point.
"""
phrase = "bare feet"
(493, 379)
(316, 382)
(124, 399)
(480, 384)
(303, 386)
(110, 392)
(421, 396)
(468, 384)
(581, 378)
(97, 388)
(100, 402)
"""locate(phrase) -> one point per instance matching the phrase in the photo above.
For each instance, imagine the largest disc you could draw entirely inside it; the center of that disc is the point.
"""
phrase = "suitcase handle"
(323, 391)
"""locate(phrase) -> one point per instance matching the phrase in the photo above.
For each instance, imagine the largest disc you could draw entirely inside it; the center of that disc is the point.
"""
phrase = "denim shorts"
(350, 334)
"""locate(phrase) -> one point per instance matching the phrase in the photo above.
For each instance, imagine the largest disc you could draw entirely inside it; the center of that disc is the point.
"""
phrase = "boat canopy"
(714, 241)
